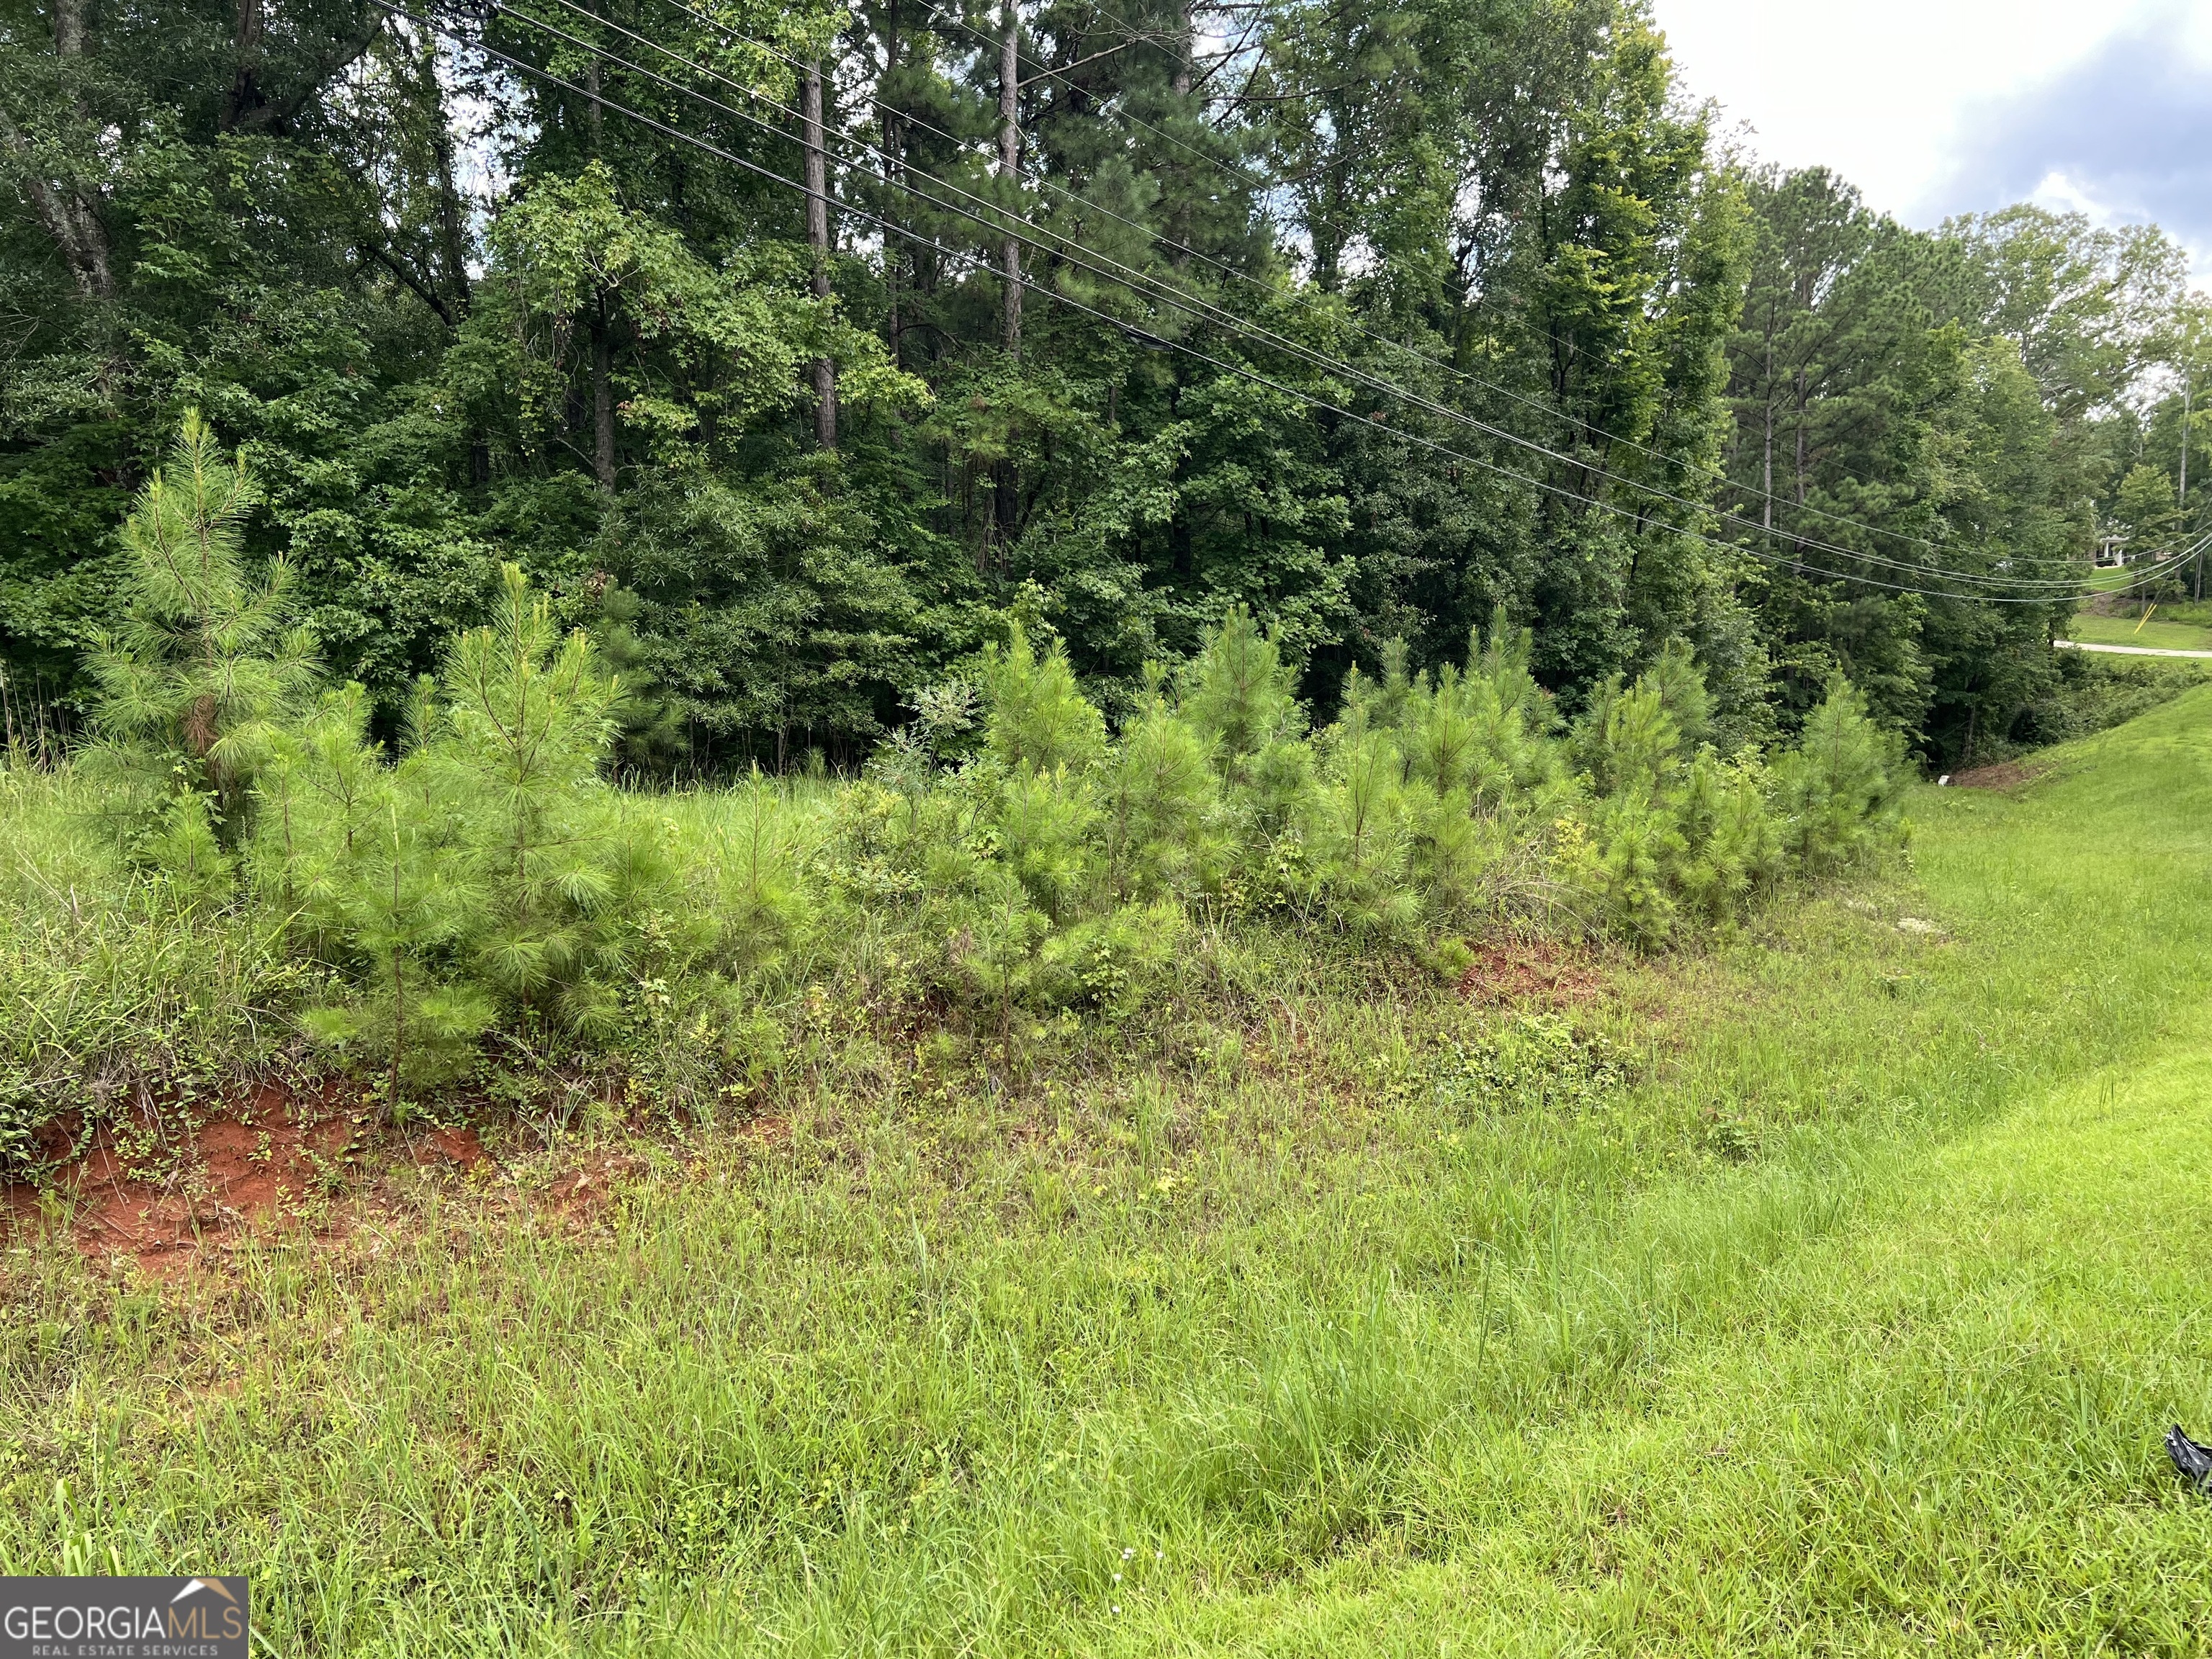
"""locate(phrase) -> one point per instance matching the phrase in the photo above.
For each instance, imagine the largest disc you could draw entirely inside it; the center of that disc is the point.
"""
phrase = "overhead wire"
(1131, 276)
(1744, 521)
(1262, 185)
(1265, 187)
(1244, 372)
(1153, 288)
(1226, 366)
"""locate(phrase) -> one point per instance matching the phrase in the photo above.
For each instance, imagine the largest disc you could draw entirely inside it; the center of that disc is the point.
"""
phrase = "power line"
(1195, 306)
(1230, 367)
(1263, 186)
(1239, 370)
(1266, 187)
(1687, 464)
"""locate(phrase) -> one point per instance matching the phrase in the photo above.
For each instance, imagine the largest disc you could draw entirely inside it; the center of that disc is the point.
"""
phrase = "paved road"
(2127, 650)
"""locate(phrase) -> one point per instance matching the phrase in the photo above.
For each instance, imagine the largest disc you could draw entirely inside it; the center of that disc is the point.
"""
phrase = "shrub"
(488, 875)
(485, 878)
(2094, 692)
(1156, 793)
(1838, 790)
(206, 669)
(1039, 720)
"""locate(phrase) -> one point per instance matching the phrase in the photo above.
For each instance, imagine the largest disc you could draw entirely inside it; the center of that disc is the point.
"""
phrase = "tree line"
(476, 880)
(803, 356)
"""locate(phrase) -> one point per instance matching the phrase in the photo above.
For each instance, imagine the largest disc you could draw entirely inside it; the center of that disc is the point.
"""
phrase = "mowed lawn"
(1825, 1293)
(2156, 632)
(1936, 1433)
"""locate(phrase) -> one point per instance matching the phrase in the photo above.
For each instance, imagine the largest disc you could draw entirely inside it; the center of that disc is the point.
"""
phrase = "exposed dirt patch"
(160, 1203)
(444, 1148)
(583, 1196)
(2005, 774)
(171, 1202)
(1531, 970)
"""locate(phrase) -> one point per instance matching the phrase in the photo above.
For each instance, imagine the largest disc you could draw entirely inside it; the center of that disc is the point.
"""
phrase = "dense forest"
(801, 355)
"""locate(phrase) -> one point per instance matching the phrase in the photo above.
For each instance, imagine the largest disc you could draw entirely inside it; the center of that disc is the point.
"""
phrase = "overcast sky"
(1938, 106)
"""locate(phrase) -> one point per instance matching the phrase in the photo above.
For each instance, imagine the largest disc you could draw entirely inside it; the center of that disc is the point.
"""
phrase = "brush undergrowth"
(472, 905)
(1303, 1284)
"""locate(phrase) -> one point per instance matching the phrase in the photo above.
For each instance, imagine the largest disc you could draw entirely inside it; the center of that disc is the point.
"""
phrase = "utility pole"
(1010, 159)
(893, 254)
(1005, 479)
(602, 326)
(817, 233)
(2181, 504)
(1186, 55)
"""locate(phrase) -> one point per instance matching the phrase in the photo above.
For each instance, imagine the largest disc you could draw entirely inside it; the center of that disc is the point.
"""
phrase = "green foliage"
(1039, 720)
(1156, 800)
(2095, 691)
(1838, 793)
(1944, 403)
(489, 877)
(1661, 1328)
(206, 667)
(1534, 1059)
(119, 984)
(396, 908)
(483, 882)
(1238, 693)
(1429, 805)
(599, 361)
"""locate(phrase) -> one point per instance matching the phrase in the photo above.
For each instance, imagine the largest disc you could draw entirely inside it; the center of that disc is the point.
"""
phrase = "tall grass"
(114, 990)
(1305, 1276)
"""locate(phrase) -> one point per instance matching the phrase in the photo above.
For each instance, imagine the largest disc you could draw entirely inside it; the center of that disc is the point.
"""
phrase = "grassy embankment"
(2157, 631)
(1824, 1292)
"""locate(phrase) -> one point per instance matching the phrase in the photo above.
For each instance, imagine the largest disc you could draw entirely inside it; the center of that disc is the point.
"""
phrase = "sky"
(1933, 107)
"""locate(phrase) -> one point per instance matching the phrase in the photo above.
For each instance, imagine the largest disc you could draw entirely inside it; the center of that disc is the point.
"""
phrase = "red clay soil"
(2005, 774)
(246, 1170)
(583, 1196)
(1530, 970)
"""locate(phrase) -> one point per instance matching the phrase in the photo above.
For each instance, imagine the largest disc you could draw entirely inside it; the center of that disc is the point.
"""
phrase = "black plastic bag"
(2193, 1461)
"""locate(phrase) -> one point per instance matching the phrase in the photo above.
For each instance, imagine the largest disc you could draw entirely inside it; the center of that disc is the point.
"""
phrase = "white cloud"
(1933, 107)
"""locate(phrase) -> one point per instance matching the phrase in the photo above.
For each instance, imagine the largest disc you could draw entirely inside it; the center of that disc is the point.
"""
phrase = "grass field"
(1827, 1292)
(2157, 631)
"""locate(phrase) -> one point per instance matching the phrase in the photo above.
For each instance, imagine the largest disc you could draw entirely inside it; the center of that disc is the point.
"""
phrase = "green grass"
(108, 987)
(2157, 631)
(1824, 1292)
(1937, 1432)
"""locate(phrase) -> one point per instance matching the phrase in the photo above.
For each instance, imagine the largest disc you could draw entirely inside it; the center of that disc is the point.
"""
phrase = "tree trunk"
(67, 215)
(2181, 501)
(1009, 163)
(1005, 479)
(603, 398)
(1801, 437)
(1186, 51)
(246, 75)
(817, 235)
(1766, 452)
(895, 250)
(452, 233)
(594, 111)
